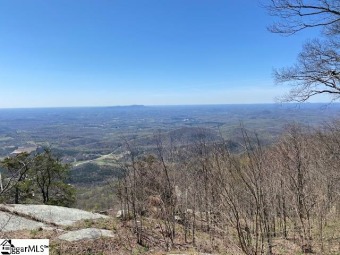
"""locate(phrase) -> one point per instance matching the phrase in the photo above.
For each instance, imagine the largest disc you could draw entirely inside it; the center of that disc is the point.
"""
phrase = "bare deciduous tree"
(296, 15)
(317, 70)
(289, 190)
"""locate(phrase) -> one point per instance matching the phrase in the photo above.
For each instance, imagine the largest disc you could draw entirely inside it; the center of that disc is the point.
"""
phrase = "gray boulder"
(85, 234)
(55, 215)
(10, 222)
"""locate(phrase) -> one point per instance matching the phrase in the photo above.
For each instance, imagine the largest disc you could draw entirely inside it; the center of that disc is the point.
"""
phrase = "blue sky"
(121, 52)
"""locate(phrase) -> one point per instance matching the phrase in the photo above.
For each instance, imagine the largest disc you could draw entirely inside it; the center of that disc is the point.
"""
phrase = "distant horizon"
(173, 105)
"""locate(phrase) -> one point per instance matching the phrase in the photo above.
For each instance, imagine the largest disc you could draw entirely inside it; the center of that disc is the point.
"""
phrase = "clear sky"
(121, 52)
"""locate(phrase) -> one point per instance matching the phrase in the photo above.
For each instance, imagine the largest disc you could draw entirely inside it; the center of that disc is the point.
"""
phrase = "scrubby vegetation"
(264, 195)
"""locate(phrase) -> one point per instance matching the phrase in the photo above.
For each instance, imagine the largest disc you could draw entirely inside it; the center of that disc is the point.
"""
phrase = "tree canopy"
(39, 178)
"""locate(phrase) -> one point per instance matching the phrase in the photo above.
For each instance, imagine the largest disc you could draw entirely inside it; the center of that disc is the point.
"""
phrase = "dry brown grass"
(125, 242)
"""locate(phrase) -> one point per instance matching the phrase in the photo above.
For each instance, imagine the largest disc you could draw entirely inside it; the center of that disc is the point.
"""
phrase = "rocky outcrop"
(11, 222)
(85, 234)
(32, 217)
(48, 214)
